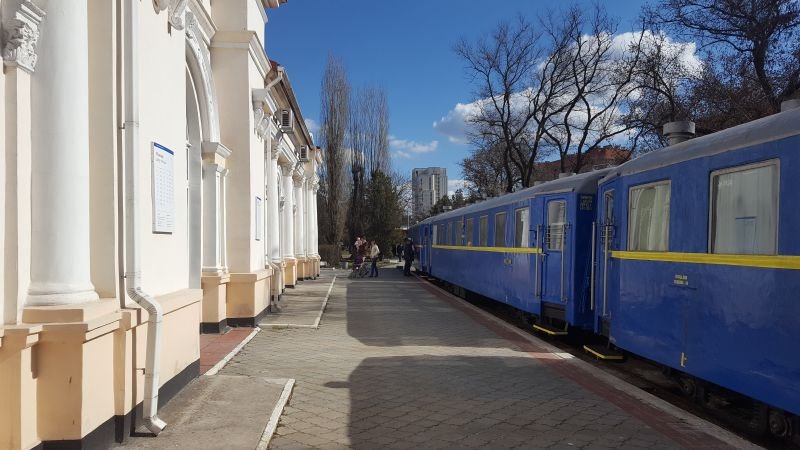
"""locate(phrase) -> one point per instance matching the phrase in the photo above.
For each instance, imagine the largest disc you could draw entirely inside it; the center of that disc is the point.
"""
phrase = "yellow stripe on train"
(489, 249)
(762, 261)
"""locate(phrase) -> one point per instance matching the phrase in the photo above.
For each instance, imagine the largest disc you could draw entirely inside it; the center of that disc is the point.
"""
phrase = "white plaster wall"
(162, 119)
(103, 133)
(235, 128)
(239, 15)
(3, 192)
(257, 261)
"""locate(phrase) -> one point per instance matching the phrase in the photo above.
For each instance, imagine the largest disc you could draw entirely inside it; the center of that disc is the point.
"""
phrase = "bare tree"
(335, 102)
(600, 76)
(483, 172)
(763, 34)
(368, 134)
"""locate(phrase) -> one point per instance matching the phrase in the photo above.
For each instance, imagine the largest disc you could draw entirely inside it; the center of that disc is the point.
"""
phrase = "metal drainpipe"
(132, 281)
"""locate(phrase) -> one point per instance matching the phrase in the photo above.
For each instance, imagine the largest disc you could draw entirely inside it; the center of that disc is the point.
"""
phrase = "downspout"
(133, 276)
(277, 80)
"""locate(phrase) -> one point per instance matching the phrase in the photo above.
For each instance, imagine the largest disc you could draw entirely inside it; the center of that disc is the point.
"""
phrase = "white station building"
(157, 181)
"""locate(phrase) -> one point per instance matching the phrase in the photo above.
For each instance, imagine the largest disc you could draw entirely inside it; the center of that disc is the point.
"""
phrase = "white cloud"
(402, 154)
(406, 148)
(312, 126)
(454, 123)
(453, 185)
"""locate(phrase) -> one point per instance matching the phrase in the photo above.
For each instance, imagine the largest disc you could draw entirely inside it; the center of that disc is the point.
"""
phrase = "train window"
(648, 217)
(556, 221)
(451, 233)
(500, 230)
(744, 210)
(460, 232)
(468, 236)
(483, 231)
(521, 227)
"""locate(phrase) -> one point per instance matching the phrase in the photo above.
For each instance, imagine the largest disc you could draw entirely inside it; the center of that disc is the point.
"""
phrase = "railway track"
(732, 414)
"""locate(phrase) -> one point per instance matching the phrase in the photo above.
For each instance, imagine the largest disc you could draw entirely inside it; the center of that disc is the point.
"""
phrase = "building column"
(299, 222)
(213, 205)
(60, 258)
(288, 210)
(313, 227)
(273, 216)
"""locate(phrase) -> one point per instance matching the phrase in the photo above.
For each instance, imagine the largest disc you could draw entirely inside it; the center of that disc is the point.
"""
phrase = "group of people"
(363, 249)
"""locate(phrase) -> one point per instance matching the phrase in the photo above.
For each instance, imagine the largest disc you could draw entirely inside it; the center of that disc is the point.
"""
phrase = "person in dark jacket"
(408, 255)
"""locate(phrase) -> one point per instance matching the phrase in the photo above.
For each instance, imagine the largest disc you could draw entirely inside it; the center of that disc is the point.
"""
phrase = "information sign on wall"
(163, 176)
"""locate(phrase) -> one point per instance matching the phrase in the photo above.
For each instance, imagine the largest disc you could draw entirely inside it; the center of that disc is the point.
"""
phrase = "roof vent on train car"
(566, 174)
(790, 104)
(677, 132)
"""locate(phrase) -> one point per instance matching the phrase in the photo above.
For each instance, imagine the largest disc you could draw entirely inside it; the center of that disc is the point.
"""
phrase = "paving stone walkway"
(394, 365)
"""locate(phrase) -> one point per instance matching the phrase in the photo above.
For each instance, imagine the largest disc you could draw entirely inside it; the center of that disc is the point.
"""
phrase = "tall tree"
(761, 34)
(335, 102)
(383, 212)
(368, 133)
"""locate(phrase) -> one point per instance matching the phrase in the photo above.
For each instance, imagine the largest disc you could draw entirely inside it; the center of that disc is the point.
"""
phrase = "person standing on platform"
(408, 255)
(374, 251)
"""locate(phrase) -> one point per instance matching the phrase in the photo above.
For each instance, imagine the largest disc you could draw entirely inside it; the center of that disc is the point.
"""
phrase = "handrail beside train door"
(591, 278)
(563, 256)
(607, 231)
(536, 292)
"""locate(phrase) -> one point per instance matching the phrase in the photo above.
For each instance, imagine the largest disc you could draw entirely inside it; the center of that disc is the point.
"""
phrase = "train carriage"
(530, 249)
(698, 259)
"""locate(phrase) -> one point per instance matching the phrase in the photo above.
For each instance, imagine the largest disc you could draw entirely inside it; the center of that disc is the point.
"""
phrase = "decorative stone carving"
(200, 65)
(21, 35)
(177, 8)
(261, 120)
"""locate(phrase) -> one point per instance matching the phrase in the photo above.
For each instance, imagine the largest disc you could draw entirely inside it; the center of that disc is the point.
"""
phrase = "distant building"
(594, 159)
(428, 185)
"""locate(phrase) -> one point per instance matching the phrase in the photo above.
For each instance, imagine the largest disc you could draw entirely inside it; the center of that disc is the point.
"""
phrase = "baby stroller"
(360, 269)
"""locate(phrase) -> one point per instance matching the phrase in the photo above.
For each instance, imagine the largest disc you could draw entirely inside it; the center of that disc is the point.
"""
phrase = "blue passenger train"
(688, 256)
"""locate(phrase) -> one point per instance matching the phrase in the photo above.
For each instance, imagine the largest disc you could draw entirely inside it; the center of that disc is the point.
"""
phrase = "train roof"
(581, 183)
(777, 126)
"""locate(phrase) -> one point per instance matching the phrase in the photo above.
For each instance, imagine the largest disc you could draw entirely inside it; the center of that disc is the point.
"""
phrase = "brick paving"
(394, 365)
(214, 347)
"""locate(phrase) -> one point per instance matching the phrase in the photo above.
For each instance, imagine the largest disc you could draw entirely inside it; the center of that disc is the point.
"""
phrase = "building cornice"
(246, 40)
(204, 21)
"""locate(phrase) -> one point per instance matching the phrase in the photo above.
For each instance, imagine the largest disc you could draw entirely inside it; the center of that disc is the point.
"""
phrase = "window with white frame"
(556, 224)
(500, 230)
(648, 217)
(521, 227)
(483, 231)
(744, 210)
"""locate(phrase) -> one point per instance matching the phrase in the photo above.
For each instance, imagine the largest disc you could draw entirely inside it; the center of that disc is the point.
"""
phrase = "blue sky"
(405, 47)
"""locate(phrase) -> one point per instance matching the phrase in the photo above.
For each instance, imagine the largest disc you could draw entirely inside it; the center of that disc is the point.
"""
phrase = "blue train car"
(420, 237)
(530, 249)
(698, 259)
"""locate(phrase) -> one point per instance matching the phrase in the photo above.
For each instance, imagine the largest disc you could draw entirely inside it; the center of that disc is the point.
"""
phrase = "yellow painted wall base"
(215, 289)
(18, 375)
(248, 294)
(290, 273)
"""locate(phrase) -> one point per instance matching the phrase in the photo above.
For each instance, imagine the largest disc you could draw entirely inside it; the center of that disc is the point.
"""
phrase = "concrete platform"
(397, 363)
(216, 412)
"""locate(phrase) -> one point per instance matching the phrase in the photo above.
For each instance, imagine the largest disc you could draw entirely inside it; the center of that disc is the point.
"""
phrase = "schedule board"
(163, 175)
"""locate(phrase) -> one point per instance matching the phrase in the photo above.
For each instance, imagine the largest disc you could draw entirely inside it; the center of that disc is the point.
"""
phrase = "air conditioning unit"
(304, 153)
(287, 121)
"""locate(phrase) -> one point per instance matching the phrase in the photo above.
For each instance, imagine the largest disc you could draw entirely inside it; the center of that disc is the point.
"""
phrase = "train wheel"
(780, 424)
(687, 385)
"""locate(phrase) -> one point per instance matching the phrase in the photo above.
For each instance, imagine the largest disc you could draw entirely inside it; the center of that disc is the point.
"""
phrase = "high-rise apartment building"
(428, 185)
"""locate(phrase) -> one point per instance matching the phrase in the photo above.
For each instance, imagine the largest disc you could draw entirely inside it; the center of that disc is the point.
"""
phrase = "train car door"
(604, 246)
(554, 248)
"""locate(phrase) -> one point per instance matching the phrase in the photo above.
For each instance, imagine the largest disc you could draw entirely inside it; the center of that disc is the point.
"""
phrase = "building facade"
(157, 180)
(428, 186)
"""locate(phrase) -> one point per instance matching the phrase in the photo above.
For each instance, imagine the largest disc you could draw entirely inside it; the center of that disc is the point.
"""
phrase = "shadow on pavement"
(481, 402)
(393, 310)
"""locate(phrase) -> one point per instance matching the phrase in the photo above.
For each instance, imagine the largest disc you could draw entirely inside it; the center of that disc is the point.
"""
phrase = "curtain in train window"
(483, 231)
(500, 230)
(648, 226)
(451, 234)
(469, 236)
(460, 232)
(556, 220)
(522, 225)
(744, 211)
